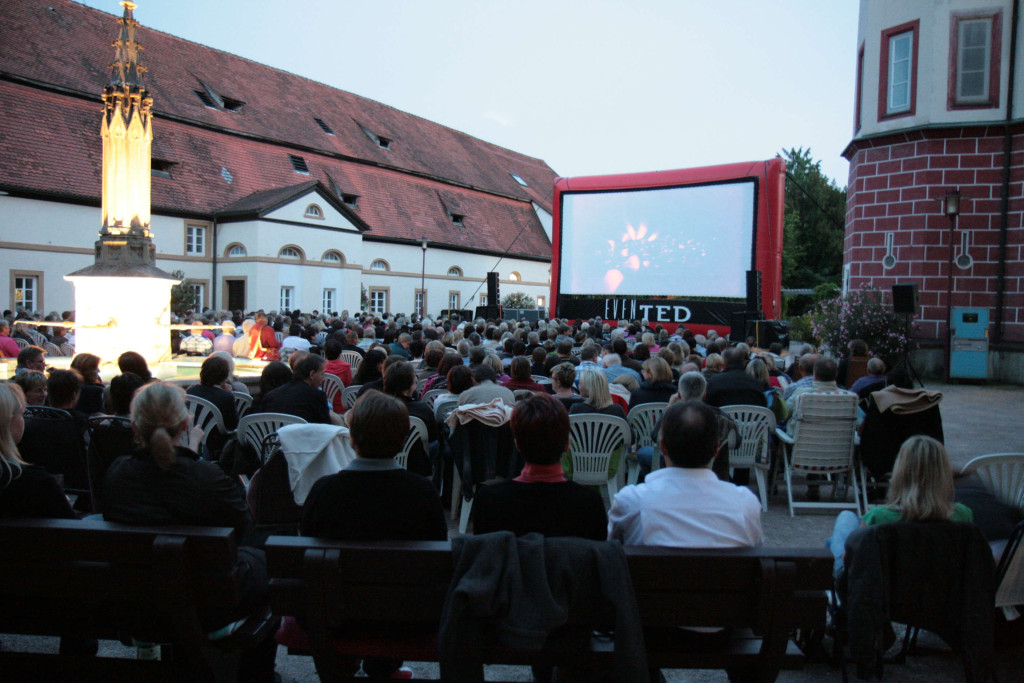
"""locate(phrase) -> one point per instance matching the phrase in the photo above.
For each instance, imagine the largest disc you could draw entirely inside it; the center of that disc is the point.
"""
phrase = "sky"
(589, 86)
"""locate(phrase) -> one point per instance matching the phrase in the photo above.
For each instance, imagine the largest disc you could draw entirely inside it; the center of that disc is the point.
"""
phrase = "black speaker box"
(492, 289)
(904, 298)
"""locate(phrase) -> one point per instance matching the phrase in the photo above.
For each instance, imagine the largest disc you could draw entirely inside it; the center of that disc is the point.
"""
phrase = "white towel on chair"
(493, 414)
(313, 451)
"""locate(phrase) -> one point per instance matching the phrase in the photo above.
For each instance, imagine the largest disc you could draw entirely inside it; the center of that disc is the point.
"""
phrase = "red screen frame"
(768, 216)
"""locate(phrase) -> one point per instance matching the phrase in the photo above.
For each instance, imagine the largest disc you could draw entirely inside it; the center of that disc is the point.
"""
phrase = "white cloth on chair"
(493, 414)
(313, 451)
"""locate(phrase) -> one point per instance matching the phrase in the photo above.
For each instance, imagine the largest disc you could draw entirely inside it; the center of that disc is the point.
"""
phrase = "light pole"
(950, 207)
(423, 279)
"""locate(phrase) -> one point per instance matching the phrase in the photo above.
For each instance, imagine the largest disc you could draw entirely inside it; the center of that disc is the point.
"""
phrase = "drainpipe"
(213, 274)
(1004, 208)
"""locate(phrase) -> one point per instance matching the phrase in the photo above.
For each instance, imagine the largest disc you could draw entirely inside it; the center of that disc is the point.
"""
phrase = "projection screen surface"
(687, 241)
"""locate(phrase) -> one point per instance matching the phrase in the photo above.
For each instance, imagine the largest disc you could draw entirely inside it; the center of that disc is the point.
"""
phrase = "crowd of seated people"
(558, 369)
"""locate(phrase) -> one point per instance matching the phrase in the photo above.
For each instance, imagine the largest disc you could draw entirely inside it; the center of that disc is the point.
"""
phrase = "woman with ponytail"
(164, 483)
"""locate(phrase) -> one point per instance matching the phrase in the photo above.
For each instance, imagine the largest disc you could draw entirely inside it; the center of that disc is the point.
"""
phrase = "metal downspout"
(1004, 208)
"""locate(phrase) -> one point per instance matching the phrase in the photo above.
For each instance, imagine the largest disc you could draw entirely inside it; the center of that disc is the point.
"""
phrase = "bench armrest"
(783, 436)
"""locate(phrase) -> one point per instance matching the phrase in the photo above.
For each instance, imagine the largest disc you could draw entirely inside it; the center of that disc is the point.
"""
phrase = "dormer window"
(161, 168)
(314, 211)
(209, 97)
(205, 98)
(299, 164)
(351, 200)
(382, 142)
(231, 104)
(323, 126)
(519, 179)
(457, 218)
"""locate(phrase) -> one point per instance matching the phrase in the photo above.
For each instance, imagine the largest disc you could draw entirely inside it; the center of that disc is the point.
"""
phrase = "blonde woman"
(163, 483)
(596, 397)
(25, 490)
(920, 490)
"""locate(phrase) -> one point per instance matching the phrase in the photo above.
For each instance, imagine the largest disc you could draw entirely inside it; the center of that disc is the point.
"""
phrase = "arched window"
(455, 271)
(514, 276)
(314, 211)
(236, 250)
(333, 257)
(380, 264)
(290, 253)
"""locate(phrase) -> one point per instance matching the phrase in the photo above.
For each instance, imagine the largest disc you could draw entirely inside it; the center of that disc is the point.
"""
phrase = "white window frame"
(961, 69)
(454, 301)
(905, 85)
(483, 299)
(378, 301)
(380, 265)
(541, 301)
(328, 299)
(195, 239)
(455, 271)
(28, 293)
(290, 252)
(419, 301)
(199, 288)
(287, 298)
(237, 251)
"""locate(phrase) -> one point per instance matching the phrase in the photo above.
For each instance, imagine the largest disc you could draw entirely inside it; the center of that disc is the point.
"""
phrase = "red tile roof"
(56, 61)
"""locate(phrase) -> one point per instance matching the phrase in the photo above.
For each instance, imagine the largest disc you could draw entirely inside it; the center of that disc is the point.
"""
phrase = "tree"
(183, 295)
(518, 300)
(812, 251)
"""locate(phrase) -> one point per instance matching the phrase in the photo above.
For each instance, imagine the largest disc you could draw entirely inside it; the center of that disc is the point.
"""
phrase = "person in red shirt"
(263, 344)
(336, 366)
(8, 347)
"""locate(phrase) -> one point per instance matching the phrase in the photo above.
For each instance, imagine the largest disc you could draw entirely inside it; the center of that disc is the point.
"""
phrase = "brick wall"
(896, 186)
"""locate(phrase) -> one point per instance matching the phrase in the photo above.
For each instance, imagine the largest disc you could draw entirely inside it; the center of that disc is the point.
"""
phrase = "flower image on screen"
(686, 241)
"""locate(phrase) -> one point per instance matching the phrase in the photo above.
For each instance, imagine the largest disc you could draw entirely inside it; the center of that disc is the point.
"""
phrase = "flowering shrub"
(862, 314)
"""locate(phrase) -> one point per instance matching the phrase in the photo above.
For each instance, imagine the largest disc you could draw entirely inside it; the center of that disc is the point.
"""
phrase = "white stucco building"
(268, 190)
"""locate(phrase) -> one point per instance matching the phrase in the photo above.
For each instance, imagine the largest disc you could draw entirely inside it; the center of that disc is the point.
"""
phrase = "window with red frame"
(897, 82)
(975, 51)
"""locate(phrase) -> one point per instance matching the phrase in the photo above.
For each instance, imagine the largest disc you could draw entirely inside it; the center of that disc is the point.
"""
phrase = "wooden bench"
(763, 594)
(96, 579)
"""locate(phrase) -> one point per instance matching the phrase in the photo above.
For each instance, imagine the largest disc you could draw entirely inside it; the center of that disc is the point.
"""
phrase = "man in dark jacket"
(302, 396)
(733, 386)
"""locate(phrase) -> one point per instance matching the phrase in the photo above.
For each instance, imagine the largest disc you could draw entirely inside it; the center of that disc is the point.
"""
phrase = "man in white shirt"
(684, 504)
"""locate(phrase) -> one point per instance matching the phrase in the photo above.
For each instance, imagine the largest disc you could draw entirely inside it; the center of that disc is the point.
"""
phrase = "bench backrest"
(147, 579)
(407, 582)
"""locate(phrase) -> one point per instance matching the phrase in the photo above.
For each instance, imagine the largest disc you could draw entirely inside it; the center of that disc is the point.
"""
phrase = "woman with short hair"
(657, 385)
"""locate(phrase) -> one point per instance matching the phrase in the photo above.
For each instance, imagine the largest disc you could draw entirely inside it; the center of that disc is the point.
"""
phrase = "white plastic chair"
(822, 444)
(541, 379)
(1003, 475)
(67, 349)
(353, 359)
(243, 402)
(206, 416)
(429, 396)
(349, 395)
(52, 349)
(252, 429)
(37, 337)
(418, 394)
(332, 387)
(22, 344)
(417, 433)
(593, 438)
(642, 419)
(756, 425)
